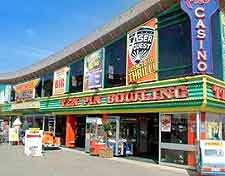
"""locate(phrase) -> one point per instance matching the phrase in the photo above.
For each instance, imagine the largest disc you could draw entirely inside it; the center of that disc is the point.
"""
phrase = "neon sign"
(145, 95)
(200, 13)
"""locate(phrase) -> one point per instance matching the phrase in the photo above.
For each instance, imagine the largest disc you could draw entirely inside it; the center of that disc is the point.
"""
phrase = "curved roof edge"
(136, 15)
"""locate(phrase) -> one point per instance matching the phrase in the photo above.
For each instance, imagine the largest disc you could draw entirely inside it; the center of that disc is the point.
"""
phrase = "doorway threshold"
(141, 159)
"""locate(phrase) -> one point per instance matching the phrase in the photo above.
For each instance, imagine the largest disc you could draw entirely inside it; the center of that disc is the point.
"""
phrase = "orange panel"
(70, 130)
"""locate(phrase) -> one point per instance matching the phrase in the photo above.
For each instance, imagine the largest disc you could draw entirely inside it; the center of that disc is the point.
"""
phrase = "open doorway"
(80, 132)
(148, 136)
(142, 132)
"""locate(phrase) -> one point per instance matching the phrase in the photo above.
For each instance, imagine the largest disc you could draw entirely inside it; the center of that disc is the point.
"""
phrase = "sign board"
(13, 135)
(93, 70)
(142, 53)
(212, 156)
(59, 83)
(25, 105)
(33, 142)
(26, 90)
(144, 95)
(200, 13)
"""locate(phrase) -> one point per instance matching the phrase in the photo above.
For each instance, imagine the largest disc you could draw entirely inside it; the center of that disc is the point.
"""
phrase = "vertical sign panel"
(59, 83)
(93, 70)
(200, 13)
(142, 53)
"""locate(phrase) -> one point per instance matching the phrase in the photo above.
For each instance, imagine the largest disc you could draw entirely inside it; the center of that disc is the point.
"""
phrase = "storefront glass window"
(175, 128)
(115, 63)
(76, 77)
(176, 156)
(178, 138)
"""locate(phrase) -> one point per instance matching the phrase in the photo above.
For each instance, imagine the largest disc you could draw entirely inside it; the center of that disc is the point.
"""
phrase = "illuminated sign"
(154, 94)
(142, 53)
(26, 90)
(200, 13)
(219, 92)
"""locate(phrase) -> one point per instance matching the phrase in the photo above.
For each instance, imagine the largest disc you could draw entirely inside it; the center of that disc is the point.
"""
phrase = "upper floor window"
(175, 47)
(76, 76)
(115, 63)
(47, 85)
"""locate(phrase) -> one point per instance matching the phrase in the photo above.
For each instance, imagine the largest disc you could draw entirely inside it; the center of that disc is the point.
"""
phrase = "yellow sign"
(26, 105)
(214, 143)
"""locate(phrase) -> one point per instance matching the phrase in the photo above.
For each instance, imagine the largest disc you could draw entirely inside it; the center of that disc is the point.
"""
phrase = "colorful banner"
(59, 83)
(200, 13)
(142, 53)
(93, 70)
(26, 90)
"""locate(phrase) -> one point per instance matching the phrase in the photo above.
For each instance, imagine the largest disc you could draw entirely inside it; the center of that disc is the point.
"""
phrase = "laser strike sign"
(142, 53)
(200, 13)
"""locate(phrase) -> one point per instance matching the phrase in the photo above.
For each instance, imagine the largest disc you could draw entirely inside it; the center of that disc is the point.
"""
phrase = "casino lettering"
(201, 34)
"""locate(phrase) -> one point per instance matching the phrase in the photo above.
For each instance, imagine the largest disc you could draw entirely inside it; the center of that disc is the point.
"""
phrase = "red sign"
(154, 94)
(199, 2)
(218, 92)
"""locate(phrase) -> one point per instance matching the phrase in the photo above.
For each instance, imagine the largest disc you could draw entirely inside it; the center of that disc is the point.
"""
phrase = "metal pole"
(198, 125)
(43, 124)
(159, 138)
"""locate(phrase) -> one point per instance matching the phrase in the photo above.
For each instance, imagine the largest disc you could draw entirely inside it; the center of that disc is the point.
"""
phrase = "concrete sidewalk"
(175, 170)
(69, 162)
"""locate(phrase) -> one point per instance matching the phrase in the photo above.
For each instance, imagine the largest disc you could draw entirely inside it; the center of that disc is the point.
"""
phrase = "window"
(217, 45)
(38, 89)
(175, 53)
(48, 85)
(115, 63)
(76, 77)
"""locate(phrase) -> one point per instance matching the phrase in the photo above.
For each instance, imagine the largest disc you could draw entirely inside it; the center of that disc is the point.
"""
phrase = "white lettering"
(200, 12)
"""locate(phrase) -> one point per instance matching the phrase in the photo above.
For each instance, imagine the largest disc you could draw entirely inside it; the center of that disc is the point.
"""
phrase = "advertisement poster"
(59, 83)
(166, 123)
(26, 90)
(93, 70)
(33, 142)
(214, 130)
(13, 135)
(142, 53)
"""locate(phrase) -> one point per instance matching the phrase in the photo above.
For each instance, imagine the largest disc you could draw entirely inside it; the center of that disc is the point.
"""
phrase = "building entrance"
(80, 132)
(141, 132)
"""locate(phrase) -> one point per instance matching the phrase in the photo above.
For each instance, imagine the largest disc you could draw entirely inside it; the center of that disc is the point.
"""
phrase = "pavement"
(65, 162)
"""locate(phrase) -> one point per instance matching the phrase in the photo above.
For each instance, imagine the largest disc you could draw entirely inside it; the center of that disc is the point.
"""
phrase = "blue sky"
(32, 30)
